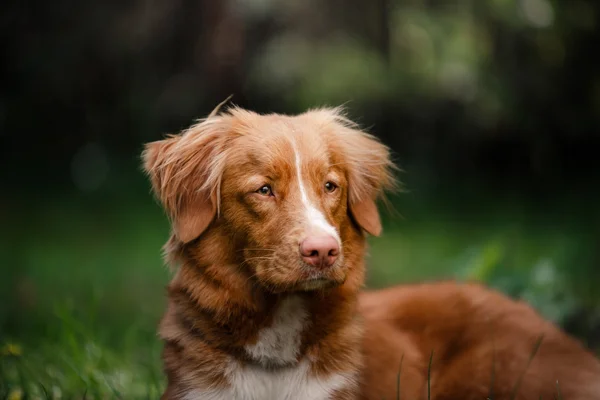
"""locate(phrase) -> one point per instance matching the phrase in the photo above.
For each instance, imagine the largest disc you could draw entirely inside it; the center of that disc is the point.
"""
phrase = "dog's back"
(464, 341)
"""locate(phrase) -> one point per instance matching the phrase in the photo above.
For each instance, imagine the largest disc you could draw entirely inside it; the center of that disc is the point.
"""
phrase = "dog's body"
(481, 344)
(269, 219)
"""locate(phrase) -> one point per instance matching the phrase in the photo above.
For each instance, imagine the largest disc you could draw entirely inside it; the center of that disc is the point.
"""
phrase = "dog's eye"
(330, 187)
(265, 191)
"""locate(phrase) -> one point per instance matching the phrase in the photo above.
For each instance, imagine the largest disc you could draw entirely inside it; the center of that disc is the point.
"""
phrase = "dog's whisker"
(258, 258)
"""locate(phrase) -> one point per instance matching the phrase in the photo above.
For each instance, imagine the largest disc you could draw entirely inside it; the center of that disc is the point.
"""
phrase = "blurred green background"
(492, 108)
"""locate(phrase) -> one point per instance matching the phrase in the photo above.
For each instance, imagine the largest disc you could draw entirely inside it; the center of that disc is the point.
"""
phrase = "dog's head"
(290, 195)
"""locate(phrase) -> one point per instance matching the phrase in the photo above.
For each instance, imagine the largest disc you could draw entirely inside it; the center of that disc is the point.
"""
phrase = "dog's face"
(291, 193)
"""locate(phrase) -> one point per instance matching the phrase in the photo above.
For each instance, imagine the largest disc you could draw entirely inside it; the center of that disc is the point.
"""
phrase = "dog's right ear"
(185, 171)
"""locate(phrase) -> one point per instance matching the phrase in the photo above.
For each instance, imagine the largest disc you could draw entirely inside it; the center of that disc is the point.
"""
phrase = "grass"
(83, 285)
(536, 347)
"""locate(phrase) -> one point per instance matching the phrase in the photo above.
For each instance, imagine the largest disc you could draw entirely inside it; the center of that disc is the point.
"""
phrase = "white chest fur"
(279, 345)
(257, 383)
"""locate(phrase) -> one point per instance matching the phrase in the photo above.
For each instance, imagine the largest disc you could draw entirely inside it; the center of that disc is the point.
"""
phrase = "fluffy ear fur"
(185, 171)
(370, 175)
(370, 171)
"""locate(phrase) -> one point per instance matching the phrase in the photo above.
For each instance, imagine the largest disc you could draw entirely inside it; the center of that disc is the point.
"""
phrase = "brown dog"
(269, 215)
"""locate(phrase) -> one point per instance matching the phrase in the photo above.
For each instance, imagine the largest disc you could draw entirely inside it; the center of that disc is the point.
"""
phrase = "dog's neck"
(228, 310)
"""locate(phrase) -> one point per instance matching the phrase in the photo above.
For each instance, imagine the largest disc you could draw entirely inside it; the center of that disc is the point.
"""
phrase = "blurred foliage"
(504, 85)
(74, 361)
(491, 107)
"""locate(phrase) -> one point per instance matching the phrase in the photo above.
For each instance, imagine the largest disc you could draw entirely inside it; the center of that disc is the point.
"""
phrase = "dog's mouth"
(299, 276)
(320, 280)
(312, 278)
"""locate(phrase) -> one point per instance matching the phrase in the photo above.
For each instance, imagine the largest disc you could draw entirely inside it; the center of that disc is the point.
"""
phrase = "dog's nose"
(320, 251)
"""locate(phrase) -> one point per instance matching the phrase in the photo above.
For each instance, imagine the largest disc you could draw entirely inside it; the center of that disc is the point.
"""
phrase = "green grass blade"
(45, 391)
(398, 379)
(493, 374)
(538, 343)
(429, 376)
(558, 391)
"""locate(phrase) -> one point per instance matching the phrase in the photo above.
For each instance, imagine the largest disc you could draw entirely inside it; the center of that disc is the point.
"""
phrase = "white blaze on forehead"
(314, 216)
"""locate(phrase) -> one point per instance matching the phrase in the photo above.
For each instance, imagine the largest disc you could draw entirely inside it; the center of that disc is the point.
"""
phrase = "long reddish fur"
(444, 340)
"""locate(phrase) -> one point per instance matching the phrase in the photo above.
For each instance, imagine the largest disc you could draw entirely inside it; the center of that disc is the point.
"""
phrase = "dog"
(270, 215)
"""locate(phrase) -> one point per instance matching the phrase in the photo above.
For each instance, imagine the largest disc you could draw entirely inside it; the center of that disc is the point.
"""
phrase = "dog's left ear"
(185, 172)
(370, 175)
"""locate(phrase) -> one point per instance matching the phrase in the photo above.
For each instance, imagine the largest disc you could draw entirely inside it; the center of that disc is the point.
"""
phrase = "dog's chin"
(319, 280)
(311, 285)
(305, 285)
(303, 278)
